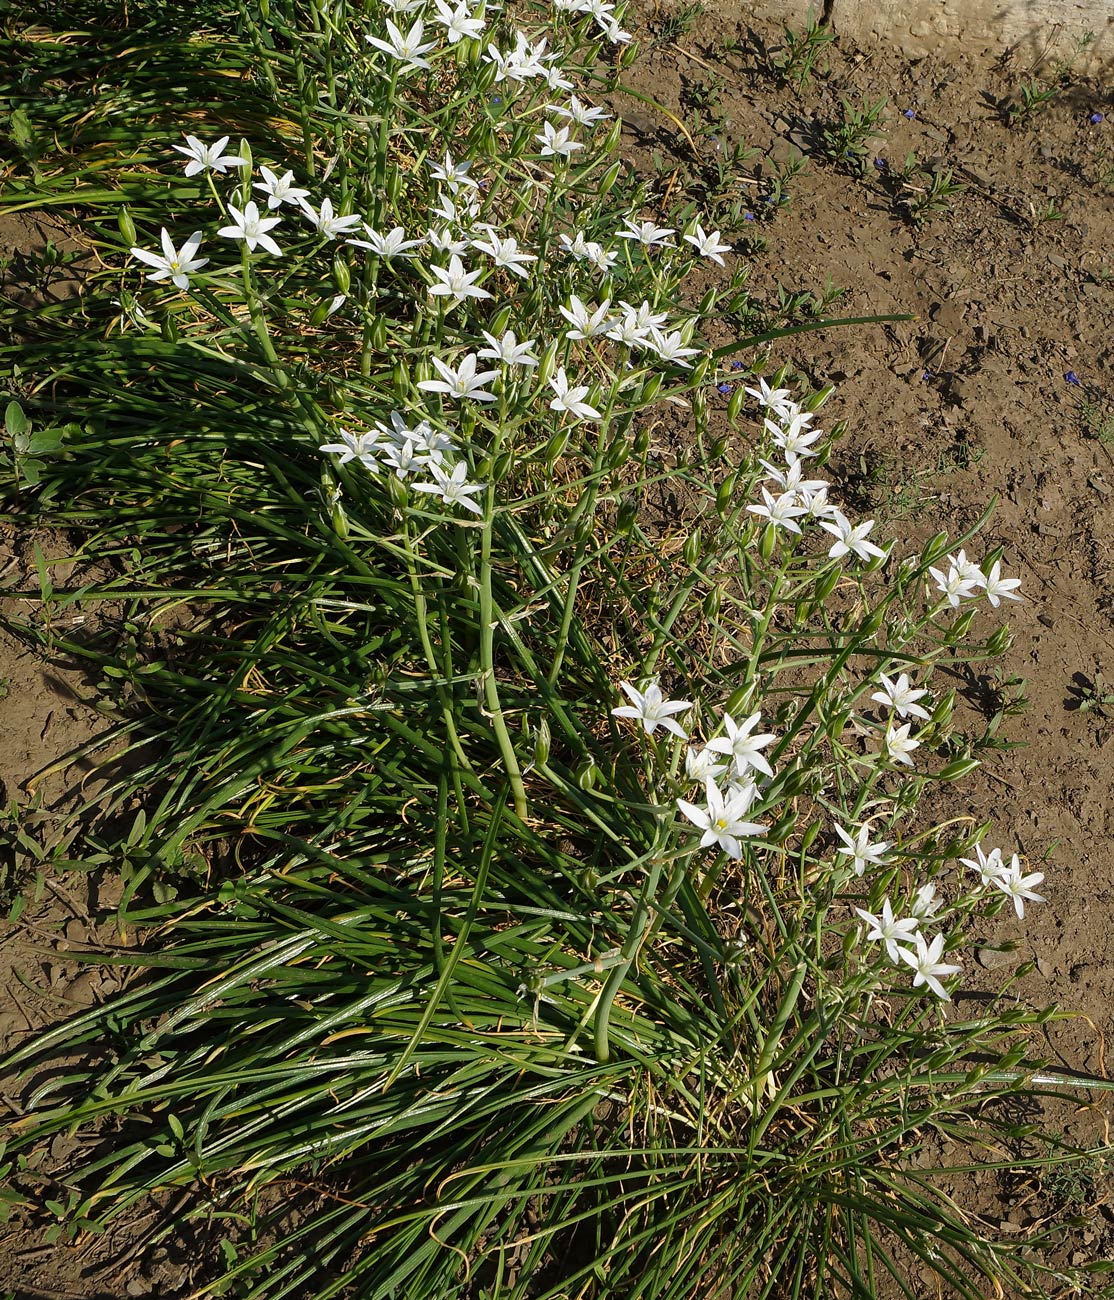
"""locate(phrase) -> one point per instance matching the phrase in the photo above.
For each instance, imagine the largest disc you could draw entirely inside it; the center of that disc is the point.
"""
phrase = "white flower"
(742, 746)
(888, 930)
(407, 49)
(708, 245)
(670, 347)
(586, 322)
(701, 765)
(459, 209)
(968, 569)
(600, 258)
(208, 157)
(504, 252)
(278, 189)
(456, 282)
(789, 478)
(953, 585)
(794, 437)
(405, 457)
(580, 113)
(861, 850)
(899, 744)
(996, 586)
(577, 246)
(508, 350)
(927, 966)
(722, 820)
(458, 22)
(173, 264)
(850, 538)
(781, 511)
(453, 489)
(454, 175)
(778, 400)
(251, 228)
(555, 142)
(1018, 887)
(900, 695)
(461, 382)
(443, 242)
(652, 709)
(364, 447)
(393, 244)
(327, 224)
(926, 902)
(647, 234)
(988, 865)
(571, 399)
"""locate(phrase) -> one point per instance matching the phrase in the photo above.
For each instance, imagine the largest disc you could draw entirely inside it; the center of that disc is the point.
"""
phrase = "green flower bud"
(739, 701)
(693, 547)
(826, 583)
(1000, 642)
(542, 742)
(959, 767)
(555, 447)
(708, 303)
(547, 363)
(586, 777)
(500, 322)
(700, 373)
(613, 137)
(809, 837)
(626, 517)
(607, 184)
(962, 626)
(736, 403)
(169, 329)
(726, 492)
(319, 314)
(126, 226)
(767, 541)
(396, 490)
(628, 56)
(642, 442)
(651, 388)
(872, 622)
(342, 277)
(339, 519)
(712, 602)
(618, 453)
(934, 549)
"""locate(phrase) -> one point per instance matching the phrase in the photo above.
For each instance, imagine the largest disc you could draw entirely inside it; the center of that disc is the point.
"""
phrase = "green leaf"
(15, 420)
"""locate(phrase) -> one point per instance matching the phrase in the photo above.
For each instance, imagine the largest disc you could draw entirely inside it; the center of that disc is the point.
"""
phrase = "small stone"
(993, 958)
(1045, 968)
(1046, 620)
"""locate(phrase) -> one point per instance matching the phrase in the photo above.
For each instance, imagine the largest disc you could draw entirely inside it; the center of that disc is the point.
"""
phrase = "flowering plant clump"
(531, 880)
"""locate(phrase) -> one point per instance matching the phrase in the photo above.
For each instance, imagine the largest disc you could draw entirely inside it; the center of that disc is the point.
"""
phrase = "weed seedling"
(678, 22)
(796, 60)
(1091, 694)
(925, 192)
(847, 142)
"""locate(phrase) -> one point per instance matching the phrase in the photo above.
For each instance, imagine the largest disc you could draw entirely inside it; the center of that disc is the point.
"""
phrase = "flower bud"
(872, 622)
(826, 583)
(626, 517)
(700, 410)
(169, 329)
(319, 314)
(942, 713)
(700, 373)
(500, 322)
(692, 548)
(719, 447)
(628, 56)
(642, 442)
(392, 185)
(555, 448)
(339, 519)
(586, 776)
(739, 701)
(962, 626)
(542, 742)
(618, 453)
(767, 541)
(809, 837)
(245, 171)
(126, 226)
(611, 140)
(736, 404)
(726, 491)
(342, 277)
(957, 768)
(396, 490)
(1000, 642)
(607, 184)
(712, 603)
(708, 303)
(934, 549)
(547, 363)
(504, 463)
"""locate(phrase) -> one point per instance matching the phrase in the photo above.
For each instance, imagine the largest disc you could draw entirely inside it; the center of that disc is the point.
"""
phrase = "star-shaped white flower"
(453, 489)
(996, 586)
(1017, 886)
(782, 511)
(571, 399)
(453, 175)
(279, 189)
(927, 967)
(860, 849)
(647, 234)
(888, 930)
(902, 697)
(652, 709)
(555, 142)
(778, 400)
(926, 902)
(581, 114)
(708, 245)
(249, 226)
(327, 223)
(900, 744)
(458, 22)
(173, 264)
(508, 350)
(505, 252)
(722, 820)
(671, 347)
(586, 322)
(208, 157)
(407, 49)
(460, 382)
(744, 748)
(701, 765)
(850, 538)
(954, 585)
(393, 244)
(793, 434)
(364, 447)
(456, 283)
(988, 865)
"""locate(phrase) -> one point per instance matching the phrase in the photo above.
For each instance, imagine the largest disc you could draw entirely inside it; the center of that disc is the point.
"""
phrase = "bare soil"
(1000, 387)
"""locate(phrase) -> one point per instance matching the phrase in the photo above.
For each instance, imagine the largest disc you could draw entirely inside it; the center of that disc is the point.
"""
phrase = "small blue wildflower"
(736, 365)
(880, 163)
(748, 216)
(723, 388)
(1095, 119)
(1073, 378)
(910, 113)
(928, 376)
